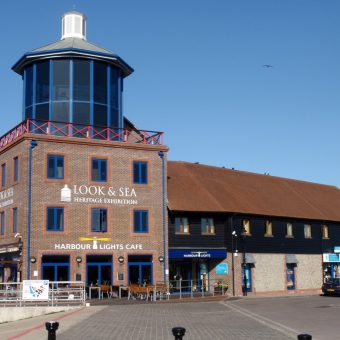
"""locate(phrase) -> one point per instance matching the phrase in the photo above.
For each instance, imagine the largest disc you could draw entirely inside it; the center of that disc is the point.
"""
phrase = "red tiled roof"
(195, 187)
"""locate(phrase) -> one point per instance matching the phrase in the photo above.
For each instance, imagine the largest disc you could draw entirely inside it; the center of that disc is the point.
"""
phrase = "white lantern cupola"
(73, 25)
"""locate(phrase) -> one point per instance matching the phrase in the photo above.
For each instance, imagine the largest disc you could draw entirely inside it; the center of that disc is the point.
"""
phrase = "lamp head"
(34, 143)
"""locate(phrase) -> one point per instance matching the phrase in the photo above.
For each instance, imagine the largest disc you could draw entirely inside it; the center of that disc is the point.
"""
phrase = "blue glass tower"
(72, 80)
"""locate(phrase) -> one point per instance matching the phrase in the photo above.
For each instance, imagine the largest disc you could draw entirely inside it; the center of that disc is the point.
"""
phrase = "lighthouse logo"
(66, 194)
(95, 240)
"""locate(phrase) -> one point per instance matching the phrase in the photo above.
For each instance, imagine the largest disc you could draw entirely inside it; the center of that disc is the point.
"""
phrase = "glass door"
(246, 276)
(290, 277)
(140, 269)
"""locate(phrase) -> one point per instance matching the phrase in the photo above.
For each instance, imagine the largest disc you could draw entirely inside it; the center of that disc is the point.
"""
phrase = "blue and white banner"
(197, 253)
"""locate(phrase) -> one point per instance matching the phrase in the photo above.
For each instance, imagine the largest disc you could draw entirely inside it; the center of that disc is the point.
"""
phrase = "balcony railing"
(52, 128)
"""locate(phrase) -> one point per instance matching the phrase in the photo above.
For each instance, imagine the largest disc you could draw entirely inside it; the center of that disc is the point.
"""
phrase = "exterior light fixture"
(33, 259)
(79, 259)
(161, 259)
(121, 259)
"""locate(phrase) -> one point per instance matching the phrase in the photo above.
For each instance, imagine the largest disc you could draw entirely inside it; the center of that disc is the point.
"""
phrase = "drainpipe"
(161, 155)
(33, 144)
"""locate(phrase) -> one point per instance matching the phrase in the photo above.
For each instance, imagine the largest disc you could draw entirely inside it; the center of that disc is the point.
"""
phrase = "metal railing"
(197, 288)
(64, 129)
(61, 293)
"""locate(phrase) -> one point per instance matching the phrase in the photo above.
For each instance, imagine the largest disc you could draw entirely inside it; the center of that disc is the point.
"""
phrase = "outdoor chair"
(106, 289)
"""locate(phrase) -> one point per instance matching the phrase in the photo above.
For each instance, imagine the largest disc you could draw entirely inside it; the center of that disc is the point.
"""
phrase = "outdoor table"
(120, 290)
(94, 288)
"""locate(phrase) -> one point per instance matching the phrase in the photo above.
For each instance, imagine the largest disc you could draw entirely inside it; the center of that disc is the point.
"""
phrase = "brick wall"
(77, 216)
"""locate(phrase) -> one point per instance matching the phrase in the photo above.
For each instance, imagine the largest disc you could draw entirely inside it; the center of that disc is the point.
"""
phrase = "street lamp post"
(233, 234)
(244, 262)
(33, 144)
(162, 156)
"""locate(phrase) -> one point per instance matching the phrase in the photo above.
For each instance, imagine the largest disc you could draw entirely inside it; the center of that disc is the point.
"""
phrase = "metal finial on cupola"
(73, 25)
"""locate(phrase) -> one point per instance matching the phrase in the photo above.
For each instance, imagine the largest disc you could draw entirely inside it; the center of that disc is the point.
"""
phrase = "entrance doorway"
(246, 270)
(99, 270)
(290, 276)
(56, 267)
(140, 269)
(331, 271)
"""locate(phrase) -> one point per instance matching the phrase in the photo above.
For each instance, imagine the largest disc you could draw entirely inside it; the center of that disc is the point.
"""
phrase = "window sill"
(182, 233)
(308, 237)
(326, 238)
(289, 236)
(268, 235)
(208, 234)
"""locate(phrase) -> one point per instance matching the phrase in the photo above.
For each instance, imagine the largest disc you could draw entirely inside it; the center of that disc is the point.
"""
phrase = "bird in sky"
(267, 66)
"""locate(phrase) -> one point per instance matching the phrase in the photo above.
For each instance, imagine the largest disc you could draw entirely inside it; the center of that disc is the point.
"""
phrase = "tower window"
(2, 222)
(3, 175)
(15, 169)
(55, 219)
(140, 221)
(99, 220)
(140, 172)
(15, 220)
(55, 167)
(99, 170)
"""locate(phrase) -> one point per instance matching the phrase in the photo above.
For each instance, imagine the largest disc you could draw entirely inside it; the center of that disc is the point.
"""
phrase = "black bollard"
(51, 327)
(178, 333)
(304, 337)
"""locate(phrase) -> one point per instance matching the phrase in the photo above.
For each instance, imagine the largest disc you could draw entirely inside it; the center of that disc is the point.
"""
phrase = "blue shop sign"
(331, 258)
(337, 249)
(222, 269)
(197, 253)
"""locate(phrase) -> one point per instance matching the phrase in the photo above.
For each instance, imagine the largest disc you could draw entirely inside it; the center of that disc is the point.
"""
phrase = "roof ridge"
(257, 174)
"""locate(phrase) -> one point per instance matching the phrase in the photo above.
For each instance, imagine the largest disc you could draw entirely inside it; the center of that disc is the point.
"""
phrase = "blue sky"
(199, 75)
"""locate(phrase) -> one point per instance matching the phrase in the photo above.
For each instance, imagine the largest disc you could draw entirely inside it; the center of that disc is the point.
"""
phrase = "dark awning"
(250, 258)
(291, 259)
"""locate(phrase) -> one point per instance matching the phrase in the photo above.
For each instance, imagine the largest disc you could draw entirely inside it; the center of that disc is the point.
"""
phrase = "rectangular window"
(3, 175)
(55, 219)
(99, 170)
(15, 220)
(207, 226)
(55, 167)
(140, 172)
(269, 228)
(140, 221)
(289, 231)
(308, 231)
(99, 220)
(15, 169)
(246, 227)
(325, 233)
(181, 225)
(2, 222)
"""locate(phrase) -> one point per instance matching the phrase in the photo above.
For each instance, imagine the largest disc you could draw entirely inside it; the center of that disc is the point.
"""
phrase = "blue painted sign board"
(197, 253)
(222, 269)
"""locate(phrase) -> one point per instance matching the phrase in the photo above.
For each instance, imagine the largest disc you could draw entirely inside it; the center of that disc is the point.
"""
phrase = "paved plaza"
(250, 318)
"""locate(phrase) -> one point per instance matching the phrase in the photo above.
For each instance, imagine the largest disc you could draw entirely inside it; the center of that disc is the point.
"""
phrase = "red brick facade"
(119, 195)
